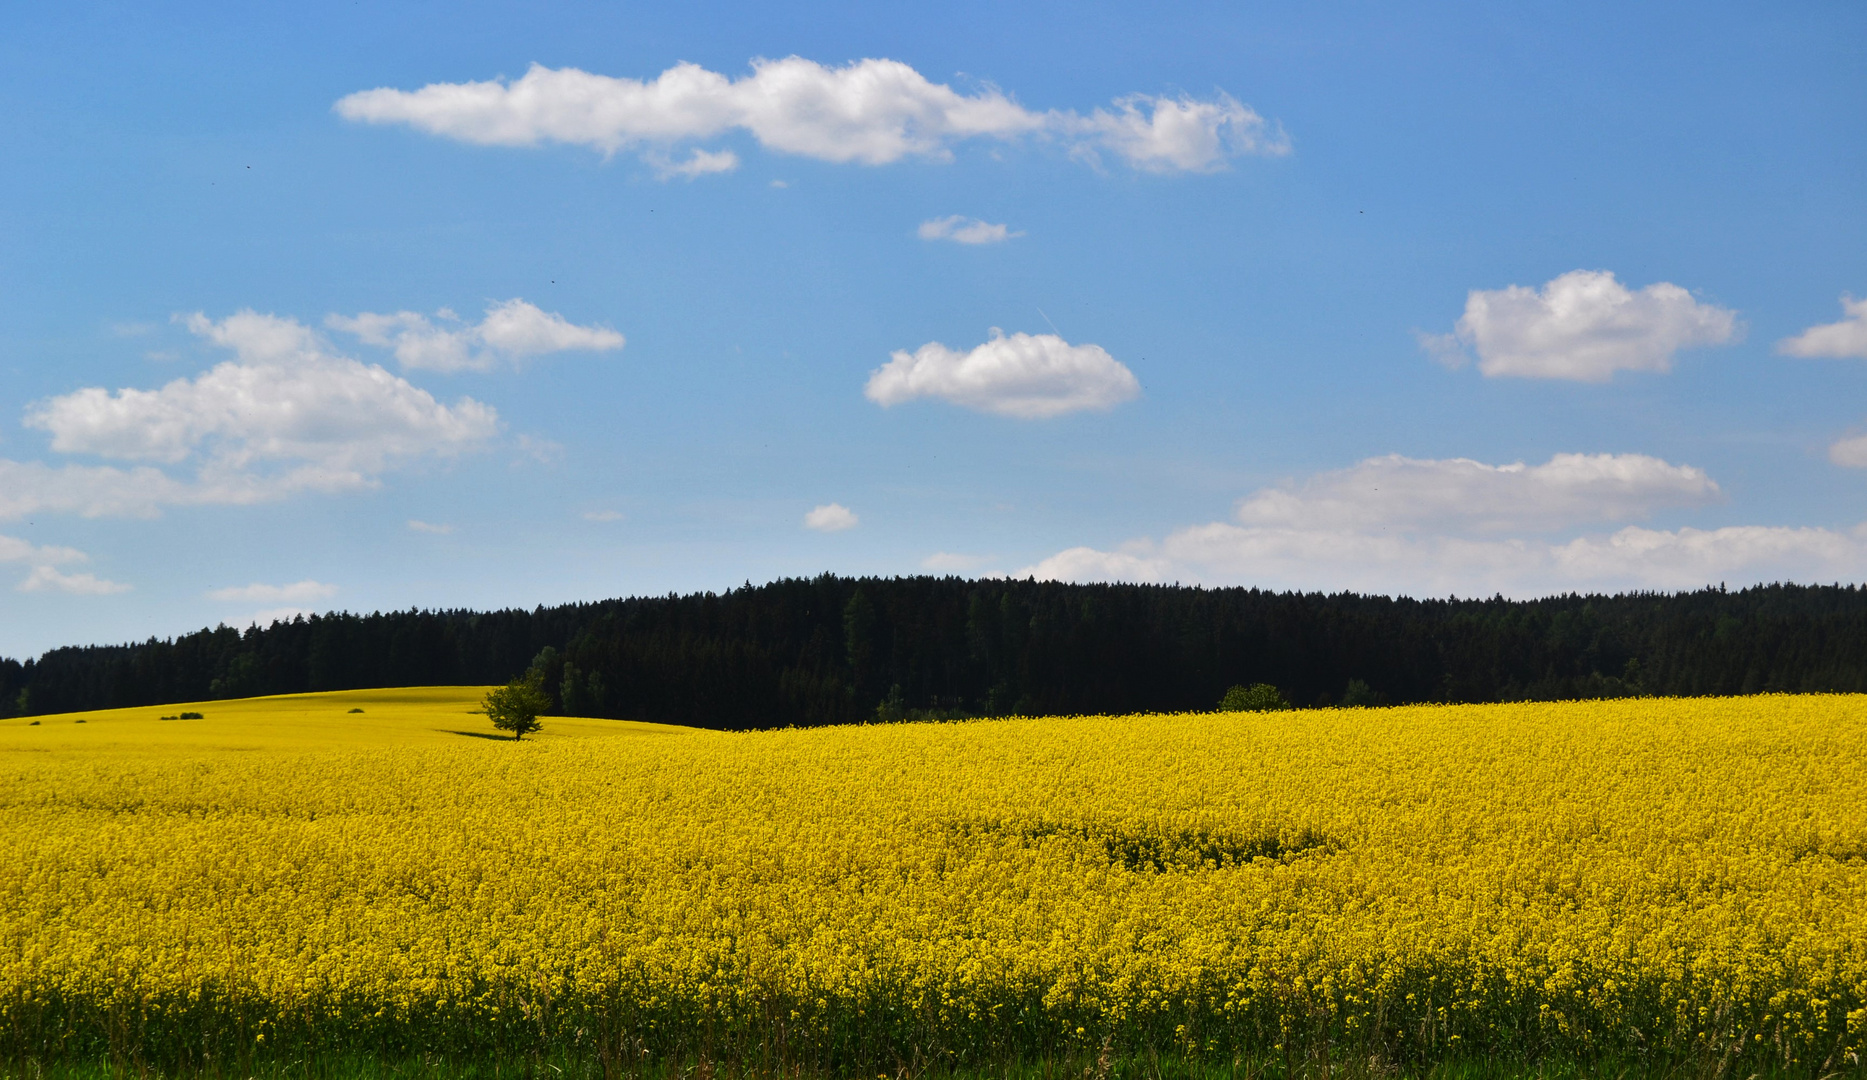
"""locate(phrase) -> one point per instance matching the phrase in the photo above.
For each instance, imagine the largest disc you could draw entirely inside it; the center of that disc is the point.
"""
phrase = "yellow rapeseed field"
(1671, 877)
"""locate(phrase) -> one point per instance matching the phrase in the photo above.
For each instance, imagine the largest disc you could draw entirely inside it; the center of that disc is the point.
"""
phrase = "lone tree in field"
(515, 706)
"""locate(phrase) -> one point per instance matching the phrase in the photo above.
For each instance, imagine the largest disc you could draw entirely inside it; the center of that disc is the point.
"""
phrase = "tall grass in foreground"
(1646, 887)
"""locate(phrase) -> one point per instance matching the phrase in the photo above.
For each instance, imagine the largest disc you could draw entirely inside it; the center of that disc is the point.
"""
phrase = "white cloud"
(429, 527)
(831, 517)
(511, 331)
(267, 617)
(13, 549)
(947, 562)
(1438, 565)
(32, 487)
(44, 575)
(1027, 376)
(699, 163)
(1398, 525)
(1584, 326)
(870, 111)
(965, 230)
(1085, 564)
(1847, 338)
(50, 579)
(603, 515)
(1850, 452)
(1161, 134)
(537, 450)
(285, 416)
(1690, 558)
(298, 592)
(1456, 494)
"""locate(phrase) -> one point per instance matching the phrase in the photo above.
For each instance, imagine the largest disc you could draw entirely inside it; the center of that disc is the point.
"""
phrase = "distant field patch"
(1679, 880)
(343, 720)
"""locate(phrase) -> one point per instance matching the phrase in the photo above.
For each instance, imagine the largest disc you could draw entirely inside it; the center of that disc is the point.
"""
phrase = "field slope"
(1660, 879)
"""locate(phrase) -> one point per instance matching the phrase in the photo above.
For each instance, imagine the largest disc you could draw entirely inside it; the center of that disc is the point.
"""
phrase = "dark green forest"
(831, 650)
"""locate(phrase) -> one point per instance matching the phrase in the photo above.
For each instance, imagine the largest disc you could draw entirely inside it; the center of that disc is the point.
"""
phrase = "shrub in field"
(1258, 697)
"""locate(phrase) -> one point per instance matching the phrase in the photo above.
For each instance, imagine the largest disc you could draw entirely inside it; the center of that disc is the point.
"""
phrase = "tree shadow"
(478, 734)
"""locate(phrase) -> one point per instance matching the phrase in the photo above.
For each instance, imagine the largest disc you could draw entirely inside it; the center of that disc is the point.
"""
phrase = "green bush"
(1258, 697)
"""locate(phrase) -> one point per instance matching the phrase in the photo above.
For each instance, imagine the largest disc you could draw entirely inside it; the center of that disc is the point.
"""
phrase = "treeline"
(839, 650)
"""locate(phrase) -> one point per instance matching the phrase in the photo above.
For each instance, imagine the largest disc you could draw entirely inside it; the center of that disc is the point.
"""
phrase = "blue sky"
(319, 307)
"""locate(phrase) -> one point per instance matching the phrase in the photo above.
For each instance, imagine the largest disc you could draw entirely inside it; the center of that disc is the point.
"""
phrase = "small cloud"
(830, 517)
(45, 577)
(512, 331)
(965, 230)
(1850, 452)
(428, 527)
(947, 562)
(298, 592)
(1844, 339)
(266, 618)
(542, 451)
(1446, 349)
(1085, 564)
(699, 163)
(1029, 376)
(602, 515)
(780, 183)
(48, 579)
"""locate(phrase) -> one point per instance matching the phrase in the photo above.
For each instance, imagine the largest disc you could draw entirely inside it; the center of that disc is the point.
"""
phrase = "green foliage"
(830, 649)
(571, 691)
(1258, 697)
(515, 706)
(1358, 695)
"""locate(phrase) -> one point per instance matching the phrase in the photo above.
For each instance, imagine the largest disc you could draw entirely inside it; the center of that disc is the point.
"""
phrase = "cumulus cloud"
(284, 416)
(1399, 525)
(1583, 326)
(512, 331)
(1461, 494)
(871, 112)
(298, 592)
(44, 574)
(831, 517)
(429, 527)
(1027, 376)
(1847, 338)
(1086, 564)
(965, 230)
